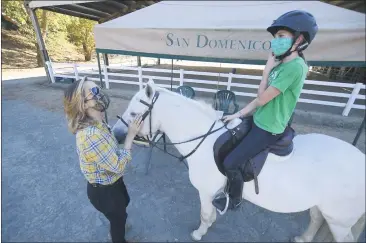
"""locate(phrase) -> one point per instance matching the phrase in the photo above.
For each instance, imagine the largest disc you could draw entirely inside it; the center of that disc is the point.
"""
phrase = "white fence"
(232, 80)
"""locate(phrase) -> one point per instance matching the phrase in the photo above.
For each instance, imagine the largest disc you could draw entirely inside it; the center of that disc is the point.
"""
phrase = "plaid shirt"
(101, 160)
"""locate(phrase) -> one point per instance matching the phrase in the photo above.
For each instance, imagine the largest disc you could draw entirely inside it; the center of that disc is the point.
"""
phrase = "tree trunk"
(39, 56)
(87, 52)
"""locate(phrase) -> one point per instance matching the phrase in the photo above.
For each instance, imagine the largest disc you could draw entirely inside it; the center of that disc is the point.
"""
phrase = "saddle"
(250, 170)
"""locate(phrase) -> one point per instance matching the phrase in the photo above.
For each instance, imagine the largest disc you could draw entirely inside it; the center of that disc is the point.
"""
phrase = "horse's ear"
(150, 88)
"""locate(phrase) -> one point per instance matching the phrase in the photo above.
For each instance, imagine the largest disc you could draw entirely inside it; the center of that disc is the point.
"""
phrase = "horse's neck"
(182, 121)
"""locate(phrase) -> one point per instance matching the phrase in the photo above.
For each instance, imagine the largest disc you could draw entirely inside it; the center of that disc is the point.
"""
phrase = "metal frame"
(96, 10)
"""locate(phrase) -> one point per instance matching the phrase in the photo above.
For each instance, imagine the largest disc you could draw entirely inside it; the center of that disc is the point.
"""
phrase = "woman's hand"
(135, 126)
(133, 129)
(231, 117)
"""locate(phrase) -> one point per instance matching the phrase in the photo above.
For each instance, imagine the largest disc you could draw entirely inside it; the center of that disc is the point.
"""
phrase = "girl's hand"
(230, 117)
(271, 63)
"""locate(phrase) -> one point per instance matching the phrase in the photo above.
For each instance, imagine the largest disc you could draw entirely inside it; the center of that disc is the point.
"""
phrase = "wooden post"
(105, 70)
(181, 77)
(352, 98)
(139, 61)
(76, 72)
(229, 81)
(50, 70)
(158, 61)
(106, 76)
(106, 60)
(139, 70)
(100, 70)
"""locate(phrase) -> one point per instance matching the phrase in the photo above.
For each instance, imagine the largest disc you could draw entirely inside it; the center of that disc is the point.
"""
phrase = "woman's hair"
(74, 107)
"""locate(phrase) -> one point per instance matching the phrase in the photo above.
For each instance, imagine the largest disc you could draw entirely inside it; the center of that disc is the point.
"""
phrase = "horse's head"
(142, 103)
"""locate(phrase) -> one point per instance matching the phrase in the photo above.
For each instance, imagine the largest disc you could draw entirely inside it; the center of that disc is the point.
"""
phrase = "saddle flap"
(227, 141)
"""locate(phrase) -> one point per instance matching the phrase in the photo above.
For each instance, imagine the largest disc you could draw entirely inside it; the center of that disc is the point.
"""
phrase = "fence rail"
(242, 81)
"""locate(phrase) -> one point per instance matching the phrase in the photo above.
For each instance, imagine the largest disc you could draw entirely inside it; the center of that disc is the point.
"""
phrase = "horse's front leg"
(208, 216)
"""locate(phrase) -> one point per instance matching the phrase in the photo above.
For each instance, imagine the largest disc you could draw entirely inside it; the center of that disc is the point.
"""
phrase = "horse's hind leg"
(347, 232)
(208, 217)
(316, 220)
(358, 228)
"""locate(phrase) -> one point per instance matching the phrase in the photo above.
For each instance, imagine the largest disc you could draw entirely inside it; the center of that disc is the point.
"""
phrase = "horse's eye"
(133, 114)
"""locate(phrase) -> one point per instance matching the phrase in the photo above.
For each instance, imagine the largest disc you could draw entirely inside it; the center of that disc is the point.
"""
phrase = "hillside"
(19, 52)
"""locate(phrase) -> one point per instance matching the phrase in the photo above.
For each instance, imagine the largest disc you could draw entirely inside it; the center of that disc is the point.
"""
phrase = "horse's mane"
(205, 107)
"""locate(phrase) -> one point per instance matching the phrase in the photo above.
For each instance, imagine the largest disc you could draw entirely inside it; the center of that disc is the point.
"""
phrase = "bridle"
(153, 144)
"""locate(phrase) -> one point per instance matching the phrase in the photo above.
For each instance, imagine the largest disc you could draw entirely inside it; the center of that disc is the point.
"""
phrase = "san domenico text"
(203, 41)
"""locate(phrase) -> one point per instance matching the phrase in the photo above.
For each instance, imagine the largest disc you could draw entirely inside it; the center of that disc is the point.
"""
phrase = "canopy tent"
(230, 31)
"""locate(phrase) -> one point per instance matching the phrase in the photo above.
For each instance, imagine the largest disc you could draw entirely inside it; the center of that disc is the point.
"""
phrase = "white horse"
(323, 174)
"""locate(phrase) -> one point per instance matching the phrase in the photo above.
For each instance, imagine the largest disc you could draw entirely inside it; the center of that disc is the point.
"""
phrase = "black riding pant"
(112, 201)
(253, 143)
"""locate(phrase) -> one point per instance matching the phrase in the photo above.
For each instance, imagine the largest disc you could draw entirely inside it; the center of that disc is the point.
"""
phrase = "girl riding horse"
(278, 93)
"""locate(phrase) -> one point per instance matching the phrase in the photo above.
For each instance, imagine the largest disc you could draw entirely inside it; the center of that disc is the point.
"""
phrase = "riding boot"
(233, 193)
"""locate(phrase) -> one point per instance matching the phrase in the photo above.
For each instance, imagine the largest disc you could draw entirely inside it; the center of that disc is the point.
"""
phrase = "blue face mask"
(280, 45)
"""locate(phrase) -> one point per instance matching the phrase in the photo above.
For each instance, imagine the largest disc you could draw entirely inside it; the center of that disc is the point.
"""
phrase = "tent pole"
(100, 70)
(101, 83)
(171, 78)
(359, 133)
(37, 30)
(106, 61)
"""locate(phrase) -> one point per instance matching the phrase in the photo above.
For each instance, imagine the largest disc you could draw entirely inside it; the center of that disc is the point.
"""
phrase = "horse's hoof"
(196, 236)
(297, 239)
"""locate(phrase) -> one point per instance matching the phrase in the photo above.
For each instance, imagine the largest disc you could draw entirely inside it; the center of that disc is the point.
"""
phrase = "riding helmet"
(298, 22)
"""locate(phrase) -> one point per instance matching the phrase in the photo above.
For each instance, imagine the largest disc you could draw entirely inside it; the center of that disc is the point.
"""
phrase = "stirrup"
(226, 205)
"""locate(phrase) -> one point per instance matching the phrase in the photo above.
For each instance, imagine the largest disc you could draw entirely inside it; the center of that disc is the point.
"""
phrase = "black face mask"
(102, 102)
(101, 99)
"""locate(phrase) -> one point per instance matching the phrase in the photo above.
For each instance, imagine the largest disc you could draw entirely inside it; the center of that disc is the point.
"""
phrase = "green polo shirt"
(288, 78)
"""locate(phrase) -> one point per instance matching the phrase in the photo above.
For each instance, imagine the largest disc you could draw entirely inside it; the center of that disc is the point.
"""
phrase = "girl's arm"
(269, 94)
(271, 63)
(264, 83)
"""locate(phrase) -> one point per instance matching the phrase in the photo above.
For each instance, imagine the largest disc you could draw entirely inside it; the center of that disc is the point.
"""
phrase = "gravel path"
(44, 192)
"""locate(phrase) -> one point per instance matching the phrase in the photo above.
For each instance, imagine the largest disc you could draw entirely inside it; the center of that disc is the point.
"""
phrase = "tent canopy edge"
(226, 60)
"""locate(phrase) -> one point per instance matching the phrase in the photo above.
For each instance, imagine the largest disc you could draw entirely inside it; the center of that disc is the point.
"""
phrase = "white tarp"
(229, 30)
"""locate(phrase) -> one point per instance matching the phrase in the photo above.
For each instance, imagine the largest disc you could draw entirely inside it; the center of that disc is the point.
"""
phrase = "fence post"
(229, 81)
(105, 71)
(139, 69)
(181, 77)
(50, 71)
(352, 98)
(76, 71)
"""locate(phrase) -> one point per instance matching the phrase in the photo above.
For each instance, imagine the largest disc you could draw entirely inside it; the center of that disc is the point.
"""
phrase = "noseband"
(146, 113)
(151, 142)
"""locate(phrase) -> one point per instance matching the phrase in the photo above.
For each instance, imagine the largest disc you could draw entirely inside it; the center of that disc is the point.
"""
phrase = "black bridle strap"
(203, 139)
(194, 139)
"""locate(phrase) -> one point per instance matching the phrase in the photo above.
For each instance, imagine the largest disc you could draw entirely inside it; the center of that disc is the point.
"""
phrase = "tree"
(80, 32)
(16, 11)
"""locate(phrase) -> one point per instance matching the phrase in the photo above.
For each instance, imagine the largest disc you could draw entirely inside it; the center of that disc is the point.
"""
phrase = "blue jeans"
(253, 143)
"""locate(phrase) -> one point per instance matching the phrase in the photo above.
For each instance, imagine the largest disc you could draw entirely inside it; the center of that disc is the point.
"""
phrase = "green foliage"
(16, 11)
(79, 31)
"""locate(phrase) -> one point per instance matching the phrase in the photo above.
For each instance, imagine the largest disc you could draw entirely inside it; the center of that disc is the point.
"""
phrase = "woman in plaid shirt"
(101, 160)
